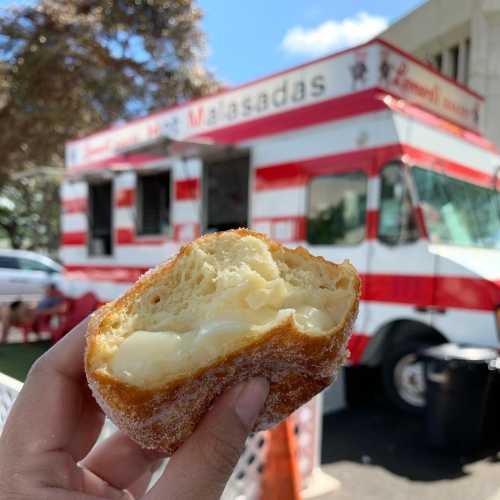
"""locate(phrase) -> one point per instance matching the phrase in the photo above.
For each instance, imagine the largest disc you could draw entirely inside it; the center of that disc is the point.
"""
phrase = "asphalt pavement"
(379, 453)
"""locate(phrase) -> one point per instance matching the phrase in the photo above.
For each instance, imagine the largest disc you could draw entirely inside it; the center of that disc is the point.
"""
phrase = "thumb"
(201, 467)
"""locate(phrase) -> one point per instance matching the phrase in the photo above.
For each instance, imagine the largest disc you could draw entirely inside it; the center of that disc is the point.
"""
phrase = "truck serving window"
(458, 212)
(153, 203)
(397, 222)
(100, 219)
(337, 209)
(225, 184)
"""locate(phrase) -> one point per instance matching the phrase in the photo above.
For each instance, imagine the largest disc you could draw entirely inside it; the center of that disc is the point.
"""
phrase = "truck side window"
(100, 218)
(153, 203)
(397, 220)
(337, 209)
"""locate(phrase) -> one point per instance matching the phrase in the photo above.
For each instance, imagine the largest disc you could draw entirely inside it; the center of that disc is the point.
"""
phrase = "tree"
(29, 212)
(68, 68)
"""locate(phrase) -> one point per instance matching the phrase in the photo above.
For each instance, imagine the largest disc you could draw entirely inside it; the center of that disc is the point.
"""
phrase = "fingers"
(47, 412)
(62, 494)
(202, 466)
(66, 357)
(89, 428)
(140, 486)
(120, 461)
(95, 485)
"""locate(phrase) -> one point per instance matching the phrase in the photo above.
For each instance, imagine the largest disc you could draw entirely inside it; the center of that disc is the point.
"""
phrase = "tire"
(403, 376)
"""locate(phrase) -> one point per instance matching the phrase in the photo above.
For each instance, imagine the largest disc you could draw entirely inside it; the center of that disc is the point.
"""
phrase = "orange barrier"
(281, 479)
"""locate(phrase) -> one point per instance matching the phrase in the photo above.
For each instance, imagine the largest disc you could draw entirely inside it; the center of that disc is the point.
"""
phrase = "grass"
(16, 359)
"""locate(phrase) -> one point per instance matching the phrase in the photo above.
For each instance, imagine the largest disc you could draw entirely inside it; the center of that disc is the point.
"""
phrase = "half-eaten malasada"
(229, 306)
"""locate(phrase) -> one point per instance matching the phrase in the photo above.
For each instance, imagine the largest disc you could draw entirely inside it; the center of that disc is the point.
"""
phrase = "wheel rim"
(409, 380)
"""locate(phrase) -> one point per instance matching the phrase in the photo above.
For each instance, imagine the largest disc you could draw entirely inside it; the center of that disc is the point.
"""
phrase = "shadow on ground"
(371, 431)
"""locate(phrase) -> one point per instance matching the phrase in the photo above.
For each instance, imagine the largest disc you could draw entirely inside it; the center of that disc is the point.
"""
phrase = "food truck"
(367, 154)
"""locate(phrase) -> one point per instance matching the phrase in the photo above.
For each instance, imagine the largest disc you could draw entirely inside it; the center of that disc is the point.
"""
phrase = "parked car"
(24, 275)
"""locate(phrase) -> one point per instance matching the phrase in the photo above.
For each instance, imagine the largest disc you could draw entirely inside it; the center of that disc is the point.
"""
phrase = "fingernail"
(250, 400)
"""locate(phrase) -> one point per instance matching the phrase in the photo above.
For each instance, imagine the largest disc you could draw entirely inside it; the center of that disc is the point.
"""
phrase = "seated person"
(18, 313)
(52, 299)
(32, 318)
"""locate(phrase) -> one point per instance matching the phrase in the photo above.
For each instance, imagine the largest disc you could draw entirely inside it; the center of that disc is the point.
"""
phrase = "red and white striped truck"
(367, 154)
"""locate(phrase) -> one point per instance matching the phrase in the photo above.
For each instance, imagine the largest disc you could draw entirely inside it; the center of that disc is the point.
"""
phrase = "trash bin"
(457, 383)
(492, 425)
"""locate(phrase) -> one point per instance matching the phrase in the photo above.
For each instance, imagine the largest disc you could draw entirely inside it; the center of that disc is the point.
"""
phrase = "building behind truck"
(461, 39)
(368, 155)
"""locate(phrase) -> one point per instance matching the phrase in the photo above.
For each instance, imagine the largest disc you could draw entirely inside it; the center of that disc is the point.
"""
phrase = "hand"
(47, 445)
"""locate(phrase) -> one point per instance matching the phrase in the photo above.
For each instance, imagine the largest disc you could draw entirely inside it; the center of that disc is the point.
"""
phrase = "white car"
(24, 275)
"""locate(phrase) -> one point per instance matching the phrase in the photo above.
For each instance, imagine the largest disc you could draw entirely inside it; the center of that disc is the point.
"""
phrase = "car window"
(33, 265)
(337, 209)
(8, 262)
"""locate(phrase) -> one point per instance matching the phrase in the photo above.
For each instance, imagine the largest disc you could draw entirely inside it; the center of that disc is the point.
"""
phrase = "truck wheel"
(403, 375)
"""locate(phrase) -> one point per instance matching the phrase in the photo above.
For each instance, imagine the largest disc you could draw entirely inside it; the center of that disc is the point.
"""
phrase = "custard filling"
(232, 300)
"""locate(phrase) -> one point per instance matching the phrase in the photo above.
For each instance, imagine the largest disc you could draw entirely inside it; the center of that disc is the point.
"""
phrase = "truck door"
(225, 193)
(399, 282)
(399, 290)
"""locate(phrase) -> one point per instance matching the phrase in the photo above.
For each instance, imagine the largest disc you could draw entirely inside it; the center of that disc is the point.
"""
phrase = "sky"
(248, 39)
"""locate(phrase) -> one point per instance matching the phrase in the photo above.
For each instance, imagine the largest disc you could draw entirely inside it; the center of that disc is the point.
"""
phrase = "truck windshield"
(458, 212)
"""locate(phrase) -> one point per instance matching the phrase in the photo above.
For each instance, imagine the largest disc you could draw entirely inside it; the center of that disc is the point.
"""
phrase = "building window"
(337, 209)
(397, 222)
(453, 54)
(438, 61)
(153, 203)
(466, 61)
(100, 219)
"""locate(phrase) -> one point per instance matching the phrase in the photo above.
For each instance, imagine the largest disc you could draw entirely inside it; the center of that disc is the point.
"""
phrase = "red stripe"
(365, 101)
(371, 160)
(74, 238)
(125, 198)
(74, 205)
(187, 189)
(430, 291)
(357, 345)
(372, 224)
(128, 161)
(362, 102)
(419, 291)
(265, 182)
(126, 236)
(436, 120)
(114, 274)
(439, 164)
(299, 172)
